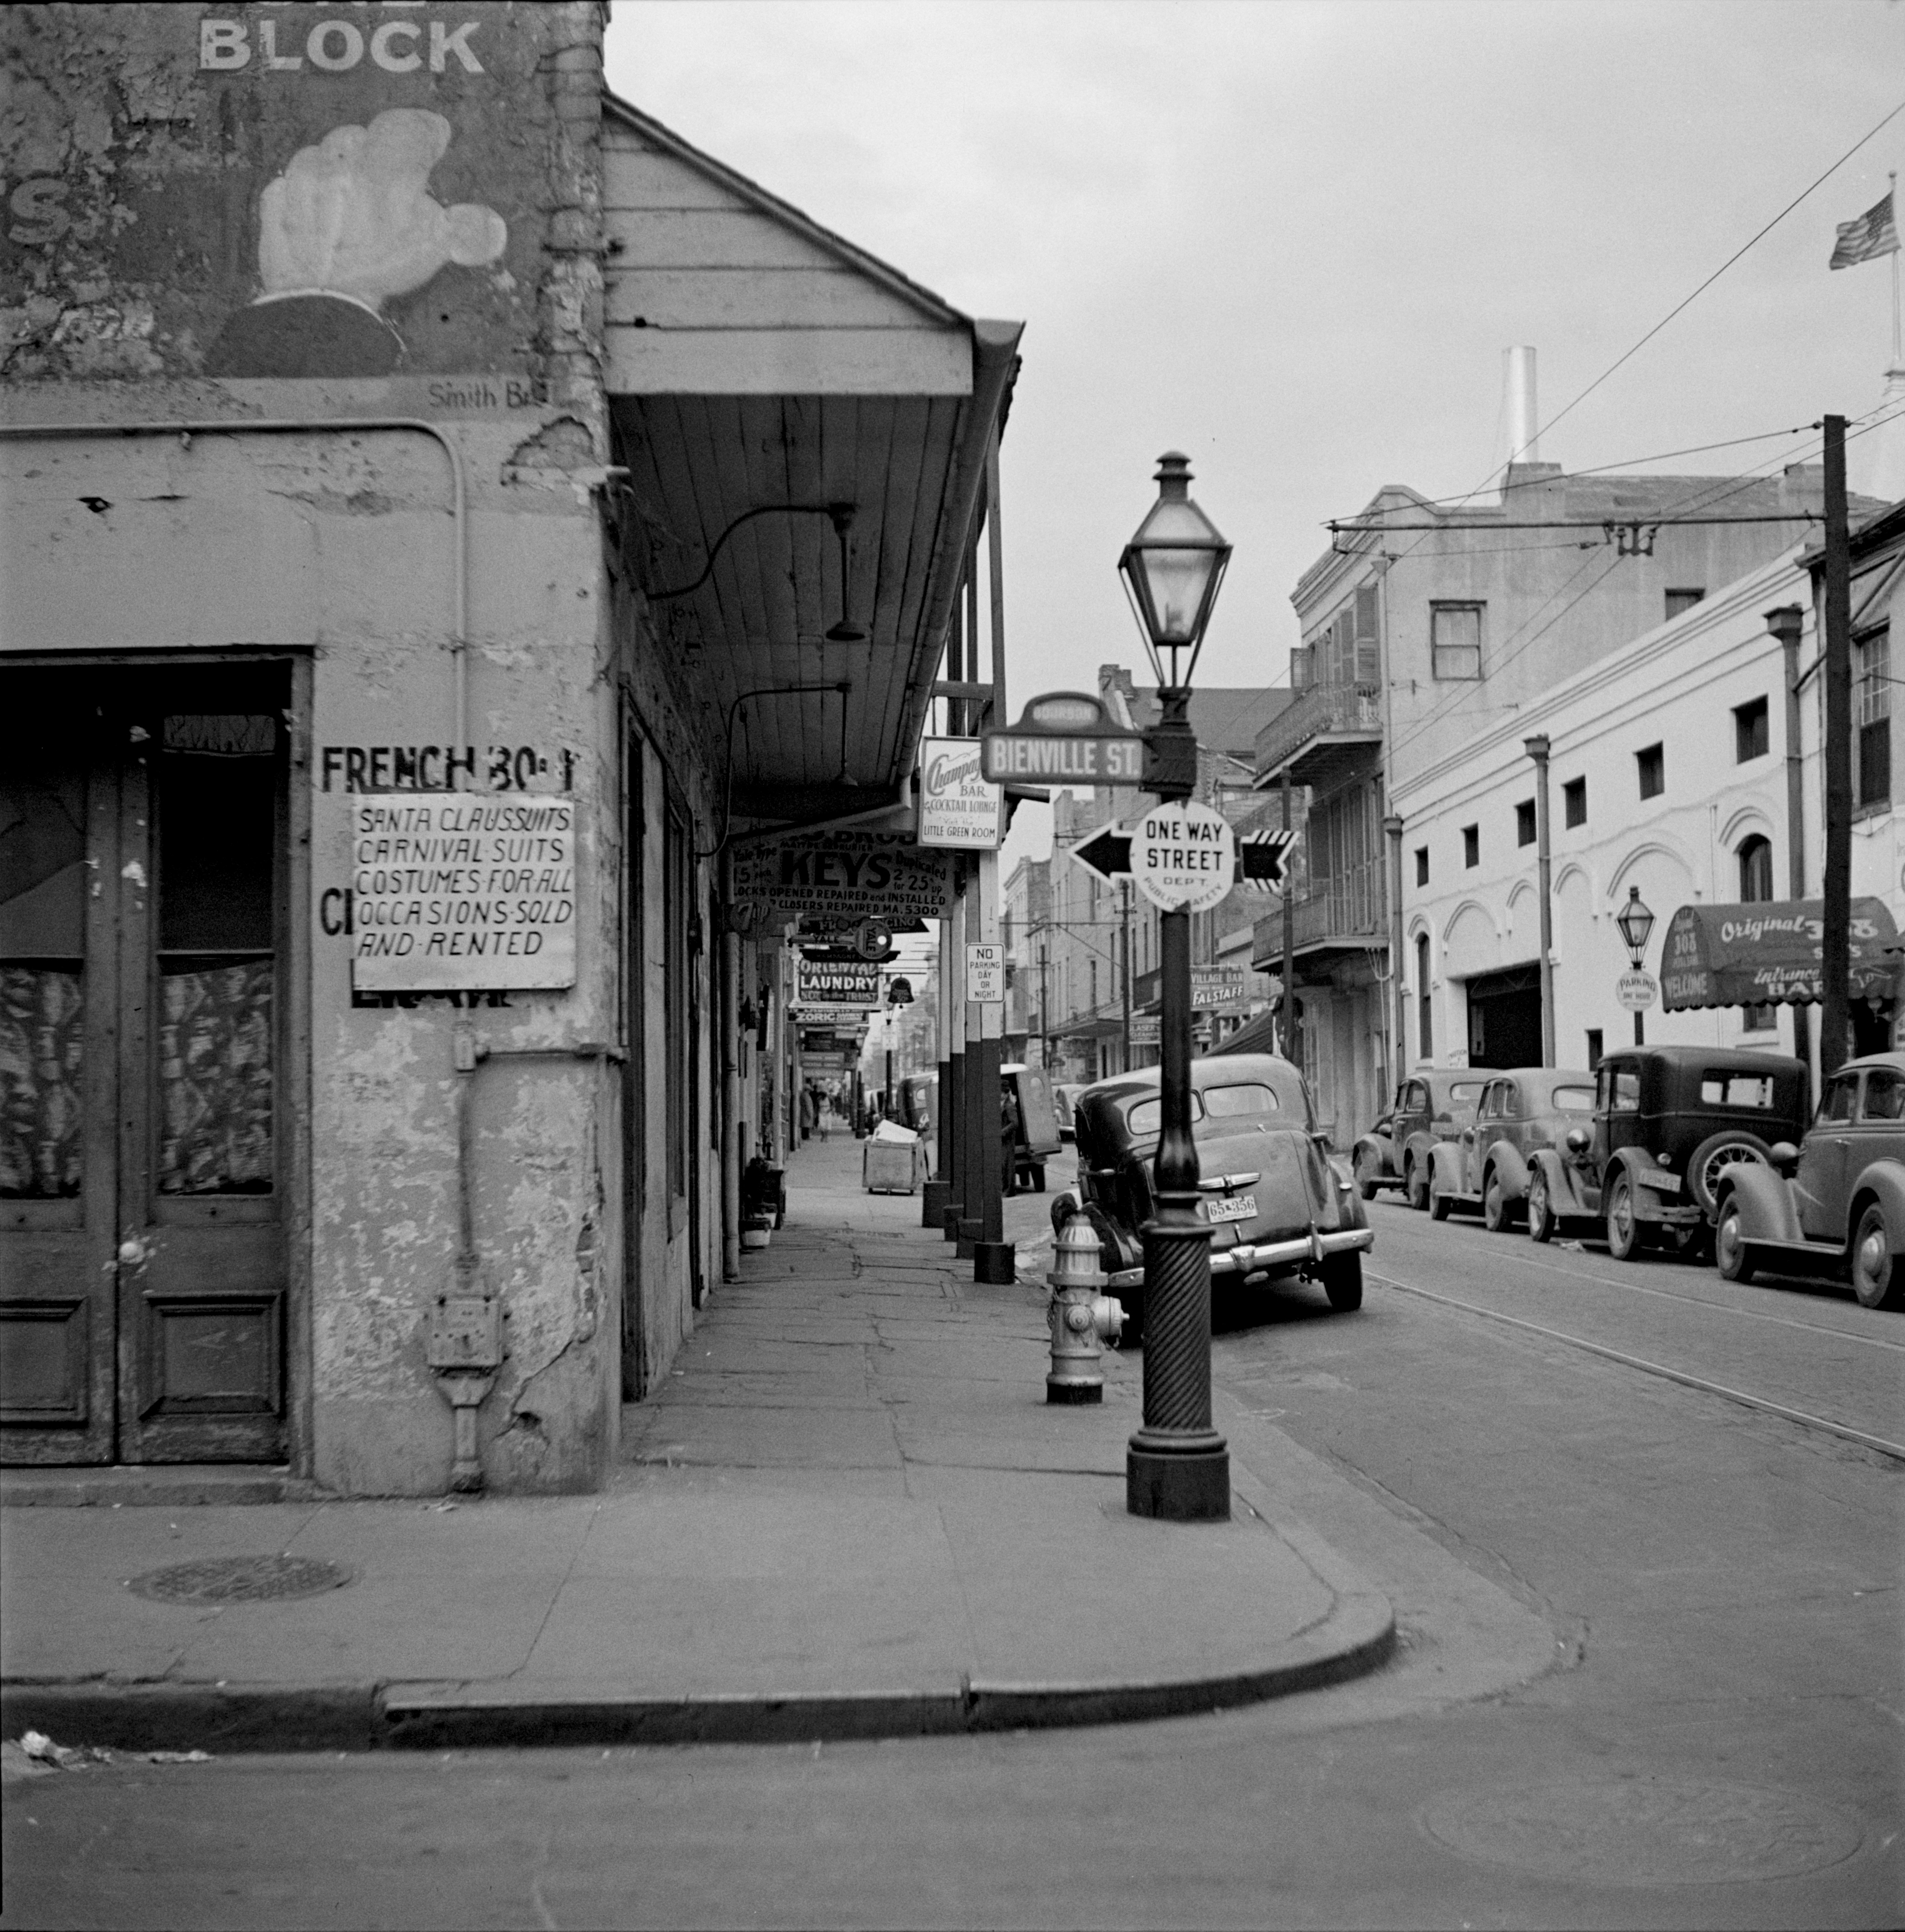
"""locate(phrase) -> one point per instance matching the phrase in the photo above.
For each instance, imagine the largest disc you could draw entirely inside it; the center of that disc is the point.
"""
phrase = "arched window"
(1425, 1043)
(1756, 869)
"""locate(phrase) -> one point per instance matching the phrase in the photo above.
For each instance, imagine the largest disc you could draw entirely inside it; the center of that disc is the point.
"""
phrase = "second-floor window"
(1455, 639)
(1471, 844)
(1524, 822)
(1755, 857)
(1421, 865)
(1871, 698)
(1574, 802)
(1425, 1041)
(1750, 739)
(1650, 767)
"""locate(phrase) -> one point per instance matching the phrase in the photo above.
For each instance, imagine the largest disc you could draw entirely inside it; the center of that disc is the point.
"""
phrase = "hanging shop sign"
(959, 809)
(1218, 987)
(828, 983)
(461, 891)
(1147, 1029)
(846, 876)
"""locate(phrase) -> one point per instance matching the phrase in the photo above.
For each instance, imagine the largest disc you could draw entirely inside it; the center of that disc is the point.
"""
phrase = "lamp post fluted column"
(1177, 1465)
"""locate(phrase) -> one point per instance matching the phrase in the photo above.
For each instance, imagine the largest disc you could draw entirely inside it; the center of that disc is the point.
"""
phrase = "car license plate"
(1235, 1207)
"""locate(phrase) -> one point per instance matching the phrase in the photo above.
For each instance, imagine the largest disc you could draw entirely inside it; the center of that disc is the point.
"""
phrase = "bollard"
(1080, 1316)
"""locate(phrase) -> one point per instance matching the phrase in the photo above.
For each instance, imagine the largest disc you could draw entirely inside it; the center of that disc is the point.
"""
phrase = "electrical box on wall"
(466, 1332)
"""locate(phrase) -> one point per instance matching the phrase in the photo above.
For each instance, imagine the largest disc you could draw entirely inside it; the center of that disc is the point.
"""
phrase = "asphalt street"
(1650, 1675)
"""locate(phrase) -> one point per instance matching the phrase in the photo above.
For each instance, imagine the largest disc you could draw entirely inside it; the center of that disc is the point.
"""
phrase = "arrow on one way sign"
(1263, 859)
(1107, 852)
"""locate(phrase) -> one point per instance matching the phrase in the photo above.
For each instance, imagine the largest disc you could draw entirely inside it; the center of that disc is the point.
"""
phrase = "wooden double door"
(143, 1122)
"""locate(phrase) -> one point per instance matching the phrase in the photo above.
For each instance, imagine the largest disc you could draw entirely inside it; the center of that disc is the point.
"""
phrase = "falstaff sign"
(845, 875)
(1769, 952)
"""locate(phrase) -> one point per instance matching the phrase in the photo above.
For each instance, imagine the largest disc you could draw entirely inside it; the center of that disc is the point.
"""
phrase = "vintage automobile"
(1028, 1126)
(1485, 1166)
(1430, 1106)
(1668, 1122)
(1835, 1204)
(1280, 1209)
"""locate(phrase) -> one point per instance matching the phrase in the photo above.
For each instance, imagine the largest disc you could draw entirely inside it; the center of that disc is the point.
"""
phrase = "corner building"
(371, 1038)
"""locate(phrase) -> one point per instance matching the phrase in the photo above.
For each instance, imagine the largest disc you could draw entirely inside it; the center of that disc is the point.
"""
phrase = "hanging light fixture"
(1172, 569)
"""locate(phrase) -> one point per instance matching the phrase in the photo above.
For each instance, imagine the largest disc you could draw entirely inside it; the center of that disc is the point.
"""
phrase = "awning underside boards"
(1770, 953)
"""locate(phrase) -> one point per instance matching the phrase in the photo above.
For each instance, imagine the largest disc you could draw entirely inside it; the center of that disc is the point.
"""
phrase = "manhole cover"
(1643, 1830)
(240, 1580)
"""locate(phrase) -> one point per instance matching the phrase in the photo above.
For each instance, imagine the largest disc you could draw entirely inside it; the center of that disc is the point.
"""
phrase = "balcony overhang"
(1324, 761)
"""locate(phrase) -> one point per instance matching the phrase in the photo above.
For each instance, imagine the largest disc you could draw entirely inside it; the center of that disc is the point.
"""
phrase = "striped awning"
(1771, 952)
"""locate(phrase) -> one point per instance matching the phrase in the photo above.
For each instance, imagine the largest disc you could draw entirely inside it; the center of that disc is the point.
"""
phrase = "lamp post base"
(995, 1263)
(1180, 1475)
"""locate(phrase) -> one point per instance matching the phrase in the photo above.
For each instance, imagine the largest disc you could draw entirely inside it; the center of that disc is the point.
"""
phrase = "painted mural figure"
(348, 226)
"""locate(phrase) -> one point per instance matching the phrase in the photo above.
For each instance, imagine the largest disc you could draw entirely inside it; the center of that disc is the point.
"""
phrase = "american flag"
(1872, 234)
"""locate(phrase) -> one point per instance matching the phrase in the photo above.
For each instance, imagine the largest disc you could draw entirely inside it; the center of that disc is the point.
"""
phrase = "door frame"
(295, 1100)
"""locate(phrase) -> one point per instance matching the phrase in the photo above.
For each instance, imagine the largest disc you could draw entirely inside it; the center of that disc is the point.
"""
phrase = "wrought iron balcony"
(1348, 912)
(1328, 730)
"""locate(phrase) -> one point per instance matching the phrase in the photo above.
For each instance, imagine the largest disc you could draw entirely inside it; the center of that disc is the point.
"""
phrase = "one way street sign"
(1263, 857)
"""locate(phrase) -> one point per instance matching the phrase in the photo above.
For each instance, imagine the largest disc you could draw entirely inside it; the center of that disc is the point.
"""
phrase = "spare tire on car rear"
(1716, 1152)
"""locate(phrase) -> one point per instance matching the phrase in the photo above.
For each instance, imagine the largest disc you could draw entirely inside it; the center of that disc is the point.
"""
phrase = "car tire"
(1342, 1281)
(1494, 1204)
(1366, 1163)
(1716, 1152)
(1730, 1249)
(1542, 1224)
(1876, 1278)
(1626, 1234)
(1415, 1186)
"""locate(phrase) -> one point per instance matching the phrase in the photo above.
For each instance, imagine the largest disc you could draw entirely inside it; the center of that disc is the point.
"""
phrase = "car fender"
(1649, 1199)
(1509, 1163)
(1418, 1146)
(1767, 1209)
(1381, 1149)
(1565, 1184)
(1445, 1168)
(1882, 1181)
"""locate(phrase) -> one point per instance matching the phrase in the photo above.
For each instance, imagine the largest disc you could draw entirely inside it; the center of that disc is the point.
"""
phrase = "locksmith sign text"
(455, 892)
(848, 874)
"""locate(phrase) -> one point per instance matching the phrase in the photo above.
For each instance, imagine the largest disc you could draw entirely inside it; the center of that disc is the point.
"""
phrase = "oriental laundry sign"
(846, 874)
(458, 892)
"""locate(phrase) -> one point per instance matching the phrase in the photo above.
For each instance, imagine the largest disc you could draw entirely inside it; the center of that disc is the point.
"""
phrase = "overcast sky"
(1293, 240)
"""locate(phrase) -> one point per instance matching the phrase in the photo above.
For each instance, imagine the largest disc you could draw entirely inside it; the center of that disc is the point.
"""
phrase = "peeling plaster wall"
(338, 541)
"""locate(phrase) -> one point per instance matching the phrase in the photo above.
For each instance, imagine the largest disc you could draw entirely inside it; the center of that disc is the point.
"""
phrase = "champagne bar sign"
(460, 891)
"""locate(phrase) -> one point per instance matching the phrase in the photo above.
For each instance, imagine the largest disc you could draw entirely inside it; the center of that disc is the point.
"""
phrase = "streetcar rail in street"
(1825, 1424)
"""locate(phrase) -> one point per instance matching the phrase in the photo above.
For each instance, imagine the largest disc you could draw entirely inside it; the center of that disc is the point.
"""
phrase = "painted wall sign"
(849, 874)
(461, 892)
(294, 191)
(446, 768)
(958, 809)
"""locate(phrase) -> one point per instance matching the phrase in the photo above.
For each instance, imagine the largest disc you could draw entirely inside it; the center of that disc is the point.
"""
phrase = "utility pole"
(1836, 992)
(1124, 963)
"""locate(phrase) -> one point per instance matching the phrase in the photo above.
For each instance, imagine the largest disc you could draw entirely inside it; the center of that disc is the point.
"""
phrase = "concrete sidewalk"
(849, 1513)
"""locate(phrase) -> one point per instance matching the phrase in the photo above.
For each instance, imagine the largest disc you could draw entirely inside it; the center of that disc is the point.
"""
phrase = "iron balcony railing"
(1349, 908)
(1324, 708)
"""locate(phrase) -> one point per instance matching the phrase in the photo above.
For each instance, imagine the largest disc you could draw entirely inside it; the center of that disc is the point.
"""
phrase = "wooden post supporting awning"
(1771, 953)
(764, 375)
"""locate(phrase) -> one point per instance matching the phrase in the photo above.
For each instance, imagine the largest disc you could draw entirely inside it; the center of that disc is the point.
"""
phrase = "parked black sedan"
(1281, 1210)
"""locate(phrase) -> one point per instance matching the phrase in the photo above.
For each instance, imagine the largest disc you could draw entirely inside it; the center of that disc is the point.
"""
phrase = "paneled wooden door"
(143, 911)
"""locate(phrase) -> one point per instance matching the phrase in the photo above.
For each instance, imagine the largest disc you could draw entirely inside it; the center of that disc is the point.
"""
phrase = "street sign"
(985, 974)
(1636, 991)
(1184, 857)
(1107, 852)
(1263, 859)
(1067, 735)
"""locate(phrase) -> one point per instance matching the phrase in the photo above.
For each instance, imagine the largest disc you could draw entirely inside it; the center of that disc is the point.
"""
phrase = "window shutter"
(1302, 668)
(1369, 640)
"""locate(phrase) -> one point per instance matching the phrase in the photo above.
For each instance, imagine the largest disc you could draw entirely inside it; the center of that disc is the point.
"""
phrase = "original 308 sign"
(1183, 856)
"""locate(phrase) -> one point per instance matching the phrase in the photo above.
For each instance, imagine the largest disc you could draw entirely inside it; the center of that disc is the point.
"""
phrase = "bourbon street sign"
(1067, 735)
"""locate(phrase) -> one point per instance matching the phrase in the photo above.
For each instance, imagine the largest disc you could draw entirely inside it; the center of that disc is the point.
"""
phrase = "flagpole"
(1898, 354)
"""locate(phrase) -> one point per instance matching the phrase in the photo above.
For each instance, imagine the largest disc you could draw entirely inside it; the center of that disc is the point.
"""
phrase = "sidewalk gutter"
(1357, 1637)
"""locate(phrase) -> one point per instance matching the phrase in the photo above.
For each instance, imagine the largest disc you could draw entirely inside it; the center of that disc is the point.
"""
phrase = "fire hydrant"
(1081, 1318)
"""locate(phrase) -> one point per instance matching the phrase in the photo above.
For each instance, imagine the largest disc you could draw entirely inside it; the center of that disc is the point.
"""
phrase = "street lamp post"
(1635, 921)
(1177, 1466)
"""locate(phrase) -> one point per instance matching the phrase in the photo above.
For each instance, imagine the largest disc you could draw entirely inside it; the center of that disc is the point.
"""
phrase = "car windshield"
(1574, 1100)
(1228, 1103)
(1736, 1089)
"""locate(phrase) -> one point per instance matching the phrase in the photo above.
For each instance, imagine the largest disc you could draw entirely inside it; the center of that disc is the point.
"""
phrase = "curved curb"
(1357, 1637)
